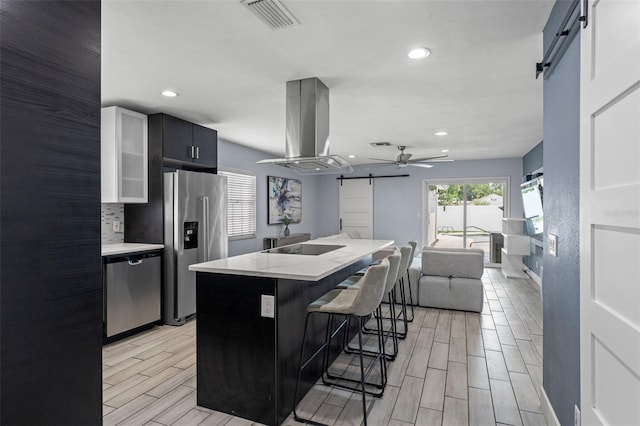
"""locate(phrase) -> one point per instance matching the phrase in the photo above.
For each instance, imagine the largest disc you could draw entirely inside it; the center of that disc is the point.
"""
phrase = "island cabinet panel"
(246, 363)
(236, 346)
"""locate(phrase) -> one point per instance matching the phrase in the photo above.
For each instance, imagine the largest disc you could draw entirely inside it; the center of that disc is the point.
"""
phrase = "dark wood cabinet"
(172, 141)
(185, 144)
(206, 142)
(177, 138)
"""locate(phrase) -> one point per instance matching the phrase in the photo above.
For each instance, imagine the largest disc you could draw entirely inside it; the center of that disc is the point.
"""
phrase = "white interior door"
(610, 214)
(356, 206)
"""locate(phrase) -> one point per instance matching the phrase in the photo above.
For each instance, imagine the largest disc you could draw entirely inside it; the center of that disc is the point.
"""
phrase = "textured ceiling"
(230, 70)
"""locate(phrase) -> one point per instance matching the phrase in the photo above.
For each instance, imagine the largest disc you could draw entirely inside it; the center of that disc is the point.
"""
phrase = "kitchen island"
(251, 311)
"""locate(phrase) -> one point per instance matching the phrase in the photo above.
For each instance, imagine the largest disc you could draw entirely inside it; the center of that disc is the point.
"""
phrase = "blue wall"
(240, 158)
(532, 162)
(561, 277)
(397, 202)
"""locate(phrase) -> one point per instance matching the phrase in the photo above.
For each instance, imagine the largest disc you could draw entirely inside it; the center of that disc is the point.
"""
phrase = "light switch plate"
(267, 306)
(552, 244)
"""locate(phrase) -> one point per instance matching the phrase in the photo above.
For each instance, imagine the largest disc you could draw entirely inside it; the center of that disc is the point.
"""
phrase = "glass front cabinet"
(123, 156)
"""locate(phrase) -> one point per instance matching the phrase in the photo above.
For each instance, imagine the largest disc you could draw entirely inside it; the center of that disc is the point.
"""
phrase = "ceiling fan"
(404, 159)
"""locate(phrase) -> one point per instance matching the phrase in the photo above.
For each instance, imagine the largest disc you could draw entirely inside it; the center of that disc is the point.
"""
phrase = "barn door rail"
(370, 177)
(576, 13)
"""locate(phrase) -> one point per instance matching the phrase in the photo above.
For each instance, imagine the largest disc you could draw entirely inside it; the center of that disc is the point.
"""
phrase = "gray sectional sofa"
(448, 278)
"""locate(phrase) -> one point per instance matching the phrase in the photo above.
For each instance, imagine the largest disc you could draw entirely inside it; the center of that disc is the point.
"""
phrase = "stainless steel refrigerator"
(195, 230)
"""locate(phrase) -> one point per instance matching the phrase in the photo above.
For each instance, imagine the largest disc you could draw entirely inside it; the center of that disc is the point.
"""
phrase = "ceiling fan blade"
(437, 161)
(381, 159)
(415, 160)
(426, 166)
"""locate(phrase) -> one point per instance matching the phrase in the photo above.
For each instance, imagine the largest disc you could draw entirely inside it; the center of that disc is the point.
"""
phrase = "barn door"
(610, 214)
(356, 206)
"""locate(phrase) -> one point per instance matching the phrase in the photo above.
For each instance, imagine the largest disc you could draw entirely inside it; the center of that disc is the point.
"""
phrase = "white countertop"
(123, 248)
(293, 266)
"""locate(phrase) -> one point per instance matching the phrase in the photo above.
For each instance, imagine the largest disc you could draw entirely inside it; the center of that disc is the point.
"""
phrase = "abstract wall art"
(285, 199)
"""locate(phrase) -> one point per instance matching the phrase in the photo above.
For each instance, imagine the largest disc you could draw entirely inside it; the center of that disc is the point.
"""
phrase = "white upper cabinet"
(123, 156)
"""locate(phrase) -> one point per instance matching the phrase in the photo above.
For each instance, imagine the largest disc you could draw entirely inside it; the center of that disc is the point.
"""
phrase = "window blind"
(241, 205)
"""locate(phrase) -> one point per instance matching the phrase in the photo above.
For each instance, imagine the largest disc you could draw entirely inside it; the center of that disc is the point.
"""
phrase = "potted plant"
(286, 222)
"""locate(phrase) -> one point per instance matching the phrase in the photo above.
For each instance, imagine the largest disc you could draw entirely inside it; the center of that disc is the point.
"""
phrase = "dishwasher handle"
(132, 259)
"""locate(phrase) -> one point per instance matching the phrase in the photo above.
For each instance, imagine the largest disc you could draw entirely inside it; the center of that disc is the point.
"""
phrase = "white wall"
(486, 217)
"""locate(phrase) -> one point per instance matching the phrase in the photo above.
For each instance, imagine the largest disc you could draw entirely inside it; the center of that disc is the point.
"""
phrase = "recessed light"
(419, 53)
(317, 168)
(169, 93)
(444, 151)
(352, 156)
(441, 133)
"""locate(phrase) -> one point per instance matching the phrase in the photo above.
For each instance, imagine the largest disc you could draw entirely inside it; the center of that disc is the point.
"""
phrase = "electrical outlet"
(576, 416)
(117, 226)
(267, 308)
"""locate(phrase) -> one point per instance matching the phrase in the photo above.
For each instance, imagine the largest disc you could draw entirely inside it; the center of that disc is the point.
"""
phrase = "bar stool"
(413, 244)
(405, 254)
(352, 283)
(352, 304)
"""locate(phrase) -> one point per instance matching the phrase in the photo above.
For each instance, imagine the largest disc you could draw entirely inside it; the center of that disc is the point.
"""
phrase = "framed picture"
(285, 199)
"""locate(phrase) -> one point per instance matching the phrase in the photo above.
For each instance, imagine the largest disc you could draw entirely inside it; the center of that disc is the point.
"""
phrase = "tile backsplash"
(111, 212)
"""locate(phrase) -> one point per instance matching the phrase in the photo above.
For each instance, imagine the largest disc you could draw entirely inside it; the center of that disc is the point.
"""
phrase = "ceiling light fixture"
(444, 151)
(169, 93)
(419, 53)
(441, 133)
(351, 156)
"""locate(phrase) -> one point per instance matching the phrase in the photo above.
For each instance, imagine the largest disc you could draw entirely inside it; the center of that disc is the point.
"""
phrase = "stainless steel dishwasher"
(132, 293)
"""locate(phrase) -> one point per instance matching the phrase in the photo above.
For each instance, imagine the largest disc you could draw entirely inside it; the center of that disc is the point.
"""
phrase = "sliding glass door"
(466, 213)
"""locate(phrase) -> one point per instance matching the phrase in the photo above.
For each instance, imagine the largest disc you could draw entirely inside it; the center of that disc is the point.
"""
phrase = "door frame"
(505, 180)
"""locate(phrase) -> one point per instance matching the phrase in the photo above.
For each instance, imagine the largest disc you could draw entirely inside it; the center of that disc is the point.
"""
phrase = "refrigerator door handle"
(205, 228)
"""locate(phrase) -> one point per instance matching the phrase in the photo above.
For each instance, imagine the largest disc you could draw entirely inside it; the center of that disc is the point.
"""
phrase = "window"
(241, 205)
(466, 213)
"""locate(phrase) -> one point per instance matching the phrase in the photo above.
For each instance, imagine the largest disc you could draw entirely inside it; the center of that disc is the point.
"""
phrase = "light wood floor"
(454, 368)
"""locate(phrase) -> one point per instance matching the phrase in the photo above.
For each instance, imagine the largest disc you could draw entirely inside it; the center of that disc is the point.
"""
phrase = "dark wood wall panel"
(51, 288)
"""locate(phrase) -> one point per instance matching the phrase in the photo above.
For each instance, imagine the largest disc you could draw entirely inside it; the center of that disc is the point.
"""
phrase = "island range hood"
(307, 131)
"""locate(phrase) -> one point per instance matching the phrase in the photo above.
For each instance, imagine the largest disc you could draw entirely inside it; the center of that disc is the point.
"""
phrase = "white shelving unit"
(124, 151)
(516, 245)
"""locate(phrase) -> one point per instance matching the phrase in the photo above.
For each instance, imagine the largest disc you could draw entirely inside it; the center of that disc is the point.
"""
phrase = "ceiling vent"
(379, 144)
(272, 13)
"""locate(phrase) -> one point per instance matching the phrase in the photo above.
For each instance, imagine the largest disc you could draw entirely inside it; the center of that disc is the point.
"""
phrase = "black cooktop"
(304, 249)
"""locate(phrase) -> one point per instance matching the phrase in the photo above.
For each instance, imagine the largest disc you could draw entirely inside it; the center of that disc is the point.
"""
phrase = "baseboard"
(534, 277)
(547, 409)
